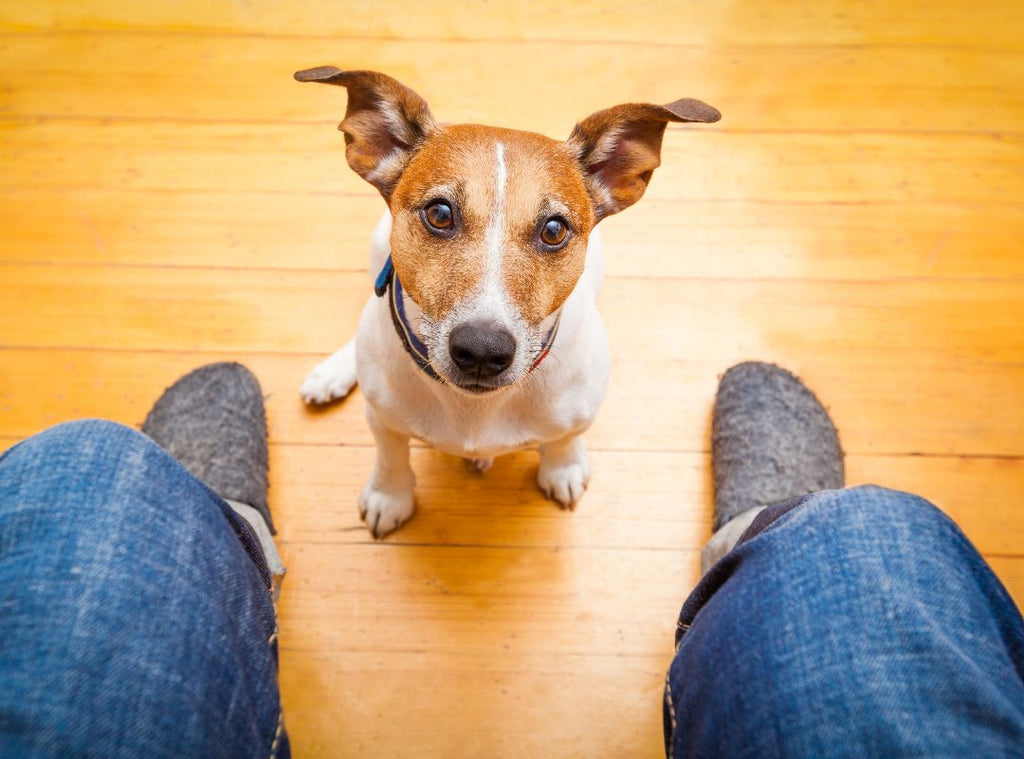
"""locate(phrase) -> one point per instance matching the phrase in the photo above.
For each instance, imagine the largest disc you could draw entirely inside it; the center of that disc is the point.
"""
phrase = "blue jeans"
(853, 623)
(135, 604)
(138, 623)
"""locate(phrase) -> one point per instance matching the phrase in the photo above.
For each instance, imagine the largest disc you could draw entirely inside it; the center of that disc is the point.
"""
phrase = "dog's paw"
(385, 511)
(564, 482)
(332, 378)
(479, 465)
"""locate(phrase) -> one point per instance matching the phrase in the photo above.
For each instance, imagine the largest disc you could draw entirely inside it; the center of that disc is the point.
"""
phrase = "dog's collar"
(387, 281)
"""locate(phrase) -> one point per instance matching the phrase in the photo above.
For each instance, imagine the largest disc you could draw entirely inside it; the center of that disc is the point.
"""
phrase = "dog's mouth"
(479, 389)
(476, 387)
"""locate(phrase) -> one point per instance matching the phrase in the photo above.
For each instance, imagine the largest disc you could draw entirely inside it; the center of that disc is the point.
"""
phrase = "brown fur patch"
(543, 178)
(384, 122)
(620, 147)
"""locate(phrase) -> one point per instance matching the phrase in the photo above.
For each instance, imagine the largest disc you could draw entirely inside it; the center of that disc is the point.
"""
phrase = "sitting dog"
(483, 336)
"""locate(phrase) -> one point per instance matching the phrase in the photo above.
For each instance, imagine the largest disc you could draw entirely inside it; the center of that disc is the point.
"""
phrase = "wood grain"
(234, 79)
(696, 238)
(953, 344)
(303, 158)
(169, 196)
(784, 23)
(668, 507)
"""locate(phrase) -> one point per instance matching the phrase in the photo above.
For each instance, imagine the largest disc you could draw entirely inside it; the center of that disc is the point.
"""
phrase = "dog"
(482, 336)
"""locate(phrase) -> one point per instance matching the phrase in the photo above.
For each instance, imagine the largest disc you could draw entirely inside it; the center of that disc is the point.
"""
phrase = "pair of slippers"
(771, 440)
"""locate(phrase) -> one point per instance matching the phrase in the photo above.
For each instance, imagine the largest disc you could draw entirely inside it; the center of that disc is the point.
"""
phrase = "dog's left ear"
(385, 123)
(620, 147)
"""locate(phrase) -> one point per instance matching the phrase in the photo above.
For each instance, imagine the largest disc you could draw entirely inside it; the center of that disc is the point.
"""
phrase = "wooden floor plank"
(478, 617)
(433, 598)
(788, 22)
(214, 309)
(696, 164)
(726, 239)
(945, 410)
(231, 79)
(657, 500)
(953, 343)
(170, 197)
(511, 704)
(47, 387)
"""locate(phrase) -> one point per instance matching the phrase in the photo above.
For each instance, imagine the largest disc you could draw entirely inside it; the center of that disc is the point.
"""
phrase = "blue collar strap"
(412, 344)
(384, 278)
(388, 280)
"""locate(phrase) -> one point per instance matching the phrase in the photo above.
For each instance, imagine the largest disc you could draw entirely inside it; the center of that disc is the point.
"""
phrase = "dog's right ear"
(620, 147)
(384, 125)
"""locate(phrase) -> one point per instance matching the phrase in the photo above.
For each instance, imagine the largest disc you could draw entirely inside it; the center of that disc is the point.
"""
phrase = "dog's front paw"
(564, 482)
(332, 378)
(383, 510)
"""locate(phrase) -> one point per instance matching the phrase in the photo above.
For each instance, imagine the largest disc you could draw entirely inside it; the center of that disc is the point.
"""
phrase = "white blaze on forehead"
(496, 226)
(490, 301)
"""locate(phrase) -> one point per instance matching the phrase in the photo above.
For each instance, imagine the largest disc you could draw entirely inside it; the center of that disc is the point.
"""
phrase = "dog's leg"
(386, 502)
(332, 378)
(564, 470)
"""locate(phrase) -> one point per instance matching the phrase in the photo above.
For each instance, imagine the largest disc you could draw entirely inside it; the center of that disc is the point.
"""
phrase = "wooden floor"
(170, 197)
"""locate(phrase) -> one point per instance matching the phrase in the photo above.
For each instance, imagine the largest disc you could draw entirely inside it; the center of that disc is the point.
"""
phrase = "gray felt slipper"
(213, 422)
(771, 441)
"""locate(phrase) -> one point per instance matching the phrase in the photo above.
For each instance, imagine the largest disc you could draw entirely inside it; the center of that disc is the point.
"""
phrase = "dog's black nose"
(481, 349)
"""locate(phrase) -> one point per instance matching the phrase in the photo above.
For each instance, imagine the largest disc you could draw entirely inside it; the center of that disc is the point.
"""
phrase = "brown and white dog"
(483, 336)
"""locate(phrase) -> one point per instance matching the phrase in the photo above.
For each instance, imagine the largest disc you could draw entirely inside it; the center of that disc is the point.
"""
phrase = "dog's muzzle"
(482, 351)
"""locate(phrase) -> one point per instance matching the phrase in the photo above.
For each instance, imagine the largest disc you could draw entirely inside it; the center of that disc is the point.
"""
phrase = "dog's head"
(490, 226)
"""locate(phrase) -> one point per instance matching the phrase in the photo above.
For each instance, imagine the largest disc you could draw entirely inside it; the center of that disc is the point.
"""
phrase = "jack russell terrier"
(483, 336)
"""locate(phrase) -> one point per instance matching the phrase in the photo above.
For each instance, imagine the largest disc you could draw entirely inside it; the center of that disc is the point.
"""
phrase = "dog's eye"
(554, 232)
(438, 215)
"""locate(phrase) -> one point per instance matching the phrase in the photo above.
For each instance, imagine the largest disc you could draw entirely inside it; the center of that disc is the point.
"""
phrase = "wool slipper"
(771, 441)
(213, 422)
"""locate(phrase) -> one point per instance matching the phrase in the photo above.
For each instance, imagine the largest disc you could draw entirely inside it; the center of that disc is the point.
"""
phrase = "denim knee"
(873, 504)
(861, 622)
(81, 438)
(81, 482)
(869, 542)
(866, 507)
(136, 614)
(876, 519)
(79, 467)
(84, 481)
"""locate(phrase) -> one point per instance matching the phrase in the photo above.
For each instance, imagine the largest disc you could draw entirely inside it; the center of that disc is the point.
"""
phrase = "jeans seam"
(671, 707)
(683, 628)
(794, 505)
(277, 734)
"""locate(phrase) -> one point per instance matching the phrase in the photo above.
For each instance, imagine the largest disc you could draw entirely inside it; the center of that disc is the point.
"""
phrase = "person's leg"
(845, 623)
(860, 623)
(213, 422)
(136, 604)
